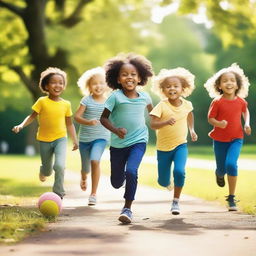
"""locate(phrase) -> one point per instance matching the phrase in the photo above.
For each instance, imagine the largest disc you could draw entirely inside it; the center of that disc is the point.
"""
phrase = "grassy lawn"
(20, 188)
(19, 192)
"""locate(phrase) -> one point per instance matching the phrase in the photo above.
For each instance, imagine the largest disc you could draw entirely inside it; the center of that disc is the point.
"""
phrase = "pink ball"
(50, 196)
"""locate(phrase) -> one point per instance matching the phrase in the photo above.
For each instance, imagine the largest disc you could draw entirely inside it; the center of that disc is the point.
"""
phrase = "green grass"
(19, 192)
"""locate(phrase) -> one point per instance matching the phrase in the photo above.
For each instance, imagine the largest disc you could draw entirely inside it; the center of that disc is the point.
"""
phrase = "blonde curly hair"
(212, 83)
(186, 77)
(46, 75)
(83, 81)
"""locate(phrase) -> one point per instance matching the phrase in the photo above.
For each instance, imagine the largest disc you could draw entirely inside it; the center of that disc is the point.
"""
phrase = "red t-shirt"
(231, 111)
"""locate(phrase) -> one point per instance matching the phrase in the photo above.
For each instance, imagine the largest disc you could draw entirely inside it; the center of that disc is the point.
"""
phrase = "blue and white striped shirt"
(88, 133)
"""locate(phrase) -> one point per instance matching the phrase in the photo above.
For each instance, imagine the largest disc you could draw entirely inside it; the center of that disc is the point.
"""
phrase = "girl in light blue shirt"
(124, 117)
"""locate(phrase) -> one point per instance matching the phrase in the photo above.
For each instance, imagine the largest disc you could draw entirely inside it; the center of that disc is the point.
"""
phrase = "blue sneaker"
(175, 209)
(231, 203)
(125, 216)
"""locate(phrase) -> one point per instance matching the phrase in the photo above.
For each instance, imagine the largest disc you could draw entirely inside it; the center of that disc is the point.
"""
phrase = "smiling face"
(228, 84)
(55, 86)
(97, 85)
(172, 88)
(128, 77)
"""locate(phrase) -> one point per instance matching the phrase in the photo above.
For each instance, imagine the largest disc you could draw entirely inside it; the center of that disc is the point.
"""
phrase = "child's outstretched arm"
(190, 120)
(247, 127)
(72, 132)
(27, 121)
(104, 119)
(79, 117)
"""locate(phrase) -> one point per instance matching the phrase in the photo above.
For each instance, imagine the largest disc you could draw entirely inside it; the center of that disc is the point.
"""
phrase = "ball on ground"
(50, 204)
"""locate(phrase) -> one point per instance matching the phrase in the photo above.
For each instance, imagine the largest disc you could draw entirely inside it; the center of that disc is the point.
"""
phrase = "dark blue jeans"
(124, 166)
(226, 155)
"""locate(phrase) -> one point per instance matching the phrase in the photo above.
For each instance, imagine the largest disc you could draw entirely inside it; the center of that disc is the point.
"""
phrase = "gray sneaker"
(175, 209)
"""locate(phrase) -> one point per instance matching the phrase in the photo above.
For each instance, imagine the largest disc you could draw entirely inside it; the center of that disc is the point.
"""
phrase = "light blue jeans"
(89, 151)
(56, 148)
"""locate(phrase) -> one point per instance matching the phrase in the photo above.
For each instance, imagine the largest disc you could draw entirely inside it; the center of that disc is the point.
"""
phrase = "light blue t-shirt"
(129, 114)
(88, 133)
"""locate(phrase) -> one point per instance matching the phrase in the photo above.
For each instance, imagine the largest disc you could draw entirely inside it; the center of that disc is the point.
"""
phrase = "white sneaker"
(175, 209)
(92, 200)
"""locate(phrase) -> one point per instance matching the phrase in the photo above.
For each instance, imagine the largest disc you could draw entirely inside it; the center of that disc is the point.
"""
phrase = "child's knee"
(231, 169)
(179, 177)
(59, 167)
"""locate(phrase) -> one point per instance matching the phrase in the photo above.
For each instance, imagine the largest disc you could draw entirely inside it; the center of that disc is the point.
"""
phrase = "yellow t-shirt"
(171, 136)
(51, 118)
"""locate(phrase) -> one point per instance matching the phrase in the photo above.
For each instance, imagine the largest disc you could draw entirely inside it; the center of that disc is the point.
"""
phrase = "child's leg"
(46, 153)
(220, 151)
(84, 149)
(118, 159)
(180, 159)
(164, 161)
(136, 153)
(231, 163)
(60, 148)
(97, 150)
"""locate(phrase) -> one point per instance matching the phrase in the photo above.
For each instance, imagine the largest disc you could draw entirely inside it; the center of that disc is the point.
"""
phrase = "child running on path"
(54, 117)
(124, 117)
(93, 137)
(171, 119)
(229, 87)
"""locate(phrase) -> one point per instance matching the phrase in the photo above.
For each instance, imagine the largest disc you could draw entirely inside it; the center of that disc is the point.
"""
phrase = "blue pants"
(124, 166)
(226, 156)
(58, 149)
(89, 151)
(165, 158)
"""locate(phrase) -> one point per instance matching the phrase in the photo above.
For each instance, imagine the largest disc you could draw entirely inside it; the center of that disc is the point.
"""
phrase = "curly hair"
(46, 76)
(113, 66)
(185, 76)
(212, 84)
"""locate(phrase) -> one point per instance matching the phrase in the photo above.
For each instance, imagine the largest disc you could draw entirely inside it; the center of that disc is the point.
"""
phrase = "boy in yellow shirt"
(54, 118)
(171, 119)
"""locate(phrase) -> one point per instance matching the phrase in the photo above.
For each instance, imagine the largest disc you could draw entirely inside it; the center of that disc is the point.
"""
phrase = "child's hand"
(171, 121)
(75, 146)
(193, 135)
(94, 122)
(223, 124)
(17, 128)
(121, 132)
(247, 130)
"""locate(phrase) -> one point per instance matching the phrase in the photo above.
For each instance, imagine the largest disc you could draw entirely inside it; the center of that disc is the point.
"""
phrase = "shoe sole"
(175, 213)
(91, 204)
(124, 219)
(220, 181)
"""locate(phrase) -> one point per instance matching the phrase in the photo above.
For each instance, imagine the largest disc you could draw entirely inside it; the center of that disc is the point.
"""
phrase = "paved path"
(202, 228)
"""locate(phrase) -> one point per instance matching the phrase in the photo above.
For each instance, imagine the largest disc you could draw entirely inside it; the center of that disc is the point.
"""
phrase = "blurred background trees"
(78, 35)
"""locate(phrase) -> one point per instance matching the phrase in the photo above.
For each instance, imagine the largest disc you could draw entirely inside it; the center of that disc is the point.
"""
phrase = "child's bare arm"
(81, 120)
(247, 127)
(120, 132)
(72, 132)
(190, 120)
(27, 121)
(221, 124)
(155, 122)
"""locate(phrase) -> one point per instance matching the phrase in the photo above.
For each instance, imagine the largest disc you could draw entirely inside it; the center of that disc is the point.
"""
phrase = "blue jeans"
(226, 156)
(124, 166)
(56, 148)
(165, 159)
(89, 151)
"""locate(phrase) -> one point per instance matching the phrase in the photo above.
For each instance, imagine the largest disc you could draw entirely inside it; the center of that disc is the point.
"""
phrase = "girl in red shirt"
(228, 87)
